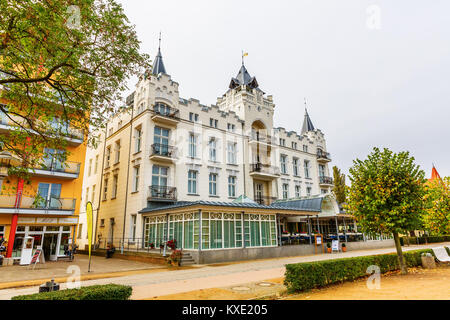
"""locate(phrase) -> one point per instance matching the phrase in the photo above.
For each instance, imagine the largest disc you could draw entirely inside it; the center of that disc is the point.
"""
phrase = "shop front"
(53, 235)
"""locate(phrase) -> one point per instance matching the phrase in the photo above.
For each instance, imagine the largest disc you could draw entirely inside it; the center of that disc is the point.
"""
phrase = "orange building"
(46, 208)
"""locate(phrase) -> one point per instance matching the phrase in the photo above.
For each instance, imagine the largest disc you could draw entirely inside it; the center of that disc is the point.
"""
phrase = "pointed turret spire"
(158, 65)
(307, 123)
(243, 77)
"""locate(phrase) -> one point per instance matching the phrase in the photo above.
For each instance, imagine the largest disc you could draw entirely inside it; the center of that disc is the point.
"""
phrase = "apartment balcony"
(264, 171)
(162, 194)
(36, 205)
(73, 136)
(163, 153)
(166, 115)
(325, 181)
(257, 139)
(55, 169)
(265, 200)
(323, 156)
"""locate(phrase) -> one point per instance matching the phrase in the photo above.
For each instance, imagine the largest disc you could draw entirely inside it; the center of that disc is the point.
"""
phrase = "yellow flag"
(89, 226)
(245, 54)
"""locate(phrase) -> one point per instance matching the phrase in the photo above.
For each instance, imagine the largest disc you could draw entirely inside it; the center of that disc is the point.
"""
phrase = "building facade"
(166, 150)
(46, 207)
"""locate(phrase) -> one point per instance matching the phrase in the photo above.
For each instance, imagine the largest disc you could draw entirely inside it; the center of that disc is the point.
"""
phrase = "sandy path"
(419, 284)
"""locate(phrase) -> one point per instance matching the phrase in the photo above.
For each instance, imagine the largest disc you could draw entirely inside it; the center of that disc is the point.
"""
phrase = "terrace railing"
(162, 193)
(163, 150)
(325, 180)
(264, 168)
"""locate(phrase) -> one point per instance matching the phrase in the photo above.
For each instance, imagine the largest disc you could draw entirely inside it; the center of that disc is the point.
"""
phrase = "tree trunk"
(401, 260)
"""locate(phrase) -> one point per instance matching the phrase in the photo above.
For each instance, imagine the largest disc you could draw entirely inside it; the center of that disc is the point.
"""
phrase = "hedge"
(98, 292)
(306, 276)
(424, 240)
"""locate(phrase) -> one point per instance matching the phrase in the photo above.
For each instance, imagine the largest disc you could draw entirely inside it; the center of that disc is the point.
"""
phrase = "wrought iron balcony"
(325, 180)
(162, 193)
(264, 168)
(165, 111)
(163, 150)
(323, 156)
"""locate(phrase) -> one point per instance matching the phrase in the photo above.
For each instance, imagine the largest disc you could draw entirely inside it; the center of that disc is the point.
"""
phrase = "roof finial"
(159, 47)
(306, 109)
(244, 54)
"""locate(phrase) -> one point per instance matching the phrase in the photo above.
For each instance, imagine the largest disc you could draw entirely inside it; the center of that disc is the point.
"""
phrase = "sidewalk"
(175, 281)
(18, 276)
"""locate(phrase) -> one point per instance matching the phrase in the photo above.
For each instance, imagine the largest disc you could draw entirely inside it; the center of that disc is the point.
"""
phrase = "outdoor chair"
(441, 254)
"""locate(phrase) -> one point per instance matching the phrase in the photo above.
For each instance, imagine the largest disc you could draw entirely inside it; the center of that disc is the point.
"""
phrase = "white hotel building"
(172, 168)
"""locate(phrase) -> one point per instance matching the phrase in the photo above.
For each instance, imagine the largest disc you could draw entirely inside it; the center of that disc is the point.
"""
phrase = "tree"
(386, 195)
(339, 185)
(436, 217)
(63, 67)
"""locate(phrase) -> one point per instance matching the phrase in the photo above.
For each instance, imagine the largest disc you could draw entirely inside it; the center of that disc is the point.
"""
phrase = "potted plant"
(172, 244)
(329, 247)
(175, 258)
(344, 247)
(152, 245)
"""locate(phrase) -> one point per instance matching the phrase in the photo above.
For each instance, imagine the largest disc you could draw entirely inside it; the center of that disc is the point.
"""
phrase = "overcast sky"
(374, 73)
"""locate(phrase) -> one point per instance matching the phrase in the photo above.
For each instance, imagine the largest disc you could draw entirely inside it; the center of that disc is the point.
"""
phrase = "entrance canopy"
(323, 205)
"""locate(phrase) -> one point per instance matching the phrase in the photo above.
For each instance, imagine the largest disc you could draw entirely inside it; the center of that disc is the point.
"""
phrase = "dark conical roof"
(158, 65)
(243, 78)
(307, 123)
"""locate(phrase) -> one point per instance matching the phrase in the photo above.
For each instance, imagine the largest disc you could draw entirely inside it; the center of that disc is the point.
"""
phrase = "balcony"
(163, 153)
(263, 138)
(323, 156)
(265, 200)
(325, 181)
(36, 205)
(162, 193)
(264, 171)
(166, 115)
(73, 136)
(57, 169)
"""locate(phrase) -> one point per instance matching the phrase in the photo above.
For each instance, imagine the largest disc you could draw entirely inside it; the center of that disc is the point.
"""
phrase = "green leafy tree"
(386, 195)
(63, 69)
(436, 217)
(339, 188)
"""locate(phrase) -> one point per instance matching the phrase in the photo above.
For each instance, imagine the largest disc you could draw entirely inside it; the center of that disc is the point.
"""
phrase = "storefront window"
(64, 242)
(17, 248)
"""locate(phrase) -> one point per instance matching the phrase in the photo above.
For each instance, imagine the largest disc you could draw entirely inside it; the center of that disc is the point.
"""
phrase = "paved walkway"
(60, 269)
(159, 283)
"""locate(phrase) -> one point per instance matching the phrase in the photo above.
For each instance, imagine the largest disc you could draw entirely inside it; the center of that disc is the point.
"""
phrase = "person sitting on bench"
(110, 251)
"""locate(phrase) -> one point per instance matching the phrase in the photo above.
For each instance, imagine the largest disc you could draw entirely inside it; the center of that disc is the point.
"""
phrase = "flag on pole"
(89, 229)
(245, 54)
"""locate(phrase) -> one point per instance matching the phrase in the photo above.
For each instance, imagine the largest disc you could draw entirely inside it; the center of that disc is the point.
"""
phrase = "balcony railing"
(265, 200)
(323, 155)
(166, 111)
(67, 132)
(58, 166)
(264, 168)
(325, 180)
(162, 193)
(164, 150)
(256, 136)
(36, 202)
